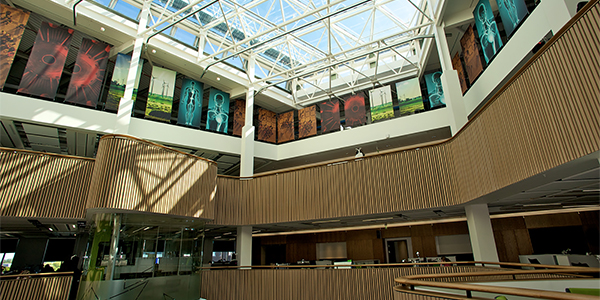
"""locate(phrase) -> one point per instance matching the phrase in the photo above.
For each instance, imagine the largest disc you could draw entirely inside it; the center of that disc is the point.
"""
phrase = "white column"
(126, 103)
(450, 82)
(481, 233)
(247, 152)
(243, 246)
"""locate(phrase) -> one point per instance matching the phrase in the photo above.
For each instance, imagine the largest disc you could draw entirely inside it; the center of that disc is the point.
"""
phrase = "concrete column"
(207, 251)
(114, 242)
(247, 153)
(244, 245)
(450, 82)
(481, 233)
(126, 103)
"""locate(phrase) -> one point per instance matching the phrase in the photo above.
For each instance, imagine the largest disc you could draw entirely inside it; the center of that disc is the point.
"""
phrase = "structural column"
(450, 82)
(126, 103)
(243, 246)
(247, 153)
(481, 233)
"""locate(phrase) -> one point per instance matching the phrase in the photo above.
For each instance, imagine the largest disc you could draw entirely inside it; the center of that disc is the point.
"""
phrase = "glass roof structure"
(305, 40)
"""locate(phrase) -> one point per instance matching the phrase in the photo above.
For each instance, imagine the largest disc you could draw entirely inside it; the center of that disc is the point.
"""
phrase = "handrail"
(26, 276)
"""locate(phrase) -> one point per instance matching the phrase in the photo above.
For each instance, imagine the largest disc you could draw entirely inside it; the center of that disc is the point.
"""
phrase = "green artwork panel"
(160, 95)
(382, 107)
(119, 78)
(410, 100)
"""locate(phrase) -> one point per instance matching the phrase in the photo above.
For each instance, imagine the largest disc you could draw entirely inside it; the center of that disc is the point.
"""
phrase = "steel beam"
(178, 21)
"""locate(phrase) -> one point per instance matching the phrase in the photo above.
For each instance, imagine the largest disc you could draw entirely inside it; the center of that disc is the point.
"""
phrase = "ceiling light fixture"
(378, 219)
(325, 221)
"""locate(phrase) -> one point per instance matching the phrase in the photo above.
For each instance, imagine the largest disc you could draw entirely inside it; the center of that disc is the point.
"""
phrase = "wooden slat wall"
(132, 174)
(547, 116)
(43, 185)
(328, 284)
(45, 288)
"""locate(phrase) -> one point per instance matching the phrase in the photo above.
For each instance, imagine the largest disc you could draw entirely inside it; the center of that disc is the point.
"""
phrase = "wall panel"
(43, 288)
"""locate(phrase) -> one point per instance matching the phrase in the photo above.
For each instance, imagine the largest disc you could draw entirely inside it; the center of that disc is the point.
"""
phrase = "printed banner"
(88, 73)
(457, 65)
(190, 103)
(13, 22)
(434, 89)
(239, 116)
(119, 79)
(160, 94)
(285, 127)
(470, 49)
(307, 122)
(410, 99)
(267, 126)
(382, 107)
(330, 115)
(489, 36)
(512, 12)
(46, 61)
(217, 116)
(354, 110)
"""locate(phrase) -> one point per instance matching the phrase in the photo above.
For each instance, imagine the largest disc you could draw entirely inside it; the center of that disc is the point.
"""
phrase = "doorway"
(398, 249)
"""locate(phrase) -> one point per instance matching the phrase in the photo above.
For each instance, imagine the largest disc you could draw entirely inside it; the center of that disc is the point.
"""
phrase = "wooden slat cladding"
(545, 116)
(132, 174)
(327, 284)
(39, 185)
(45, 288)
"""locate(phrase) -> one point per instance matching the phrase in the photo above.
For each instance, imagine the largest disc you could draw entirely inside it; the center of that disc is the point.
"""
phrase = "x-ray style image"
(512, 13)
(190, 103)
(434, 89)
(218, 111)
(489, 36)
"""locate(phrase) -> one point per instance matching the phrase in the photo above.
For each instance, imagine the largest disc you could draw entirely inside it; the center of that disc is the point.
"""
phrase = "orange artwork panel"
(239, 116)
(267, 126)
(285, 127)
(307, 122)
(13, 22)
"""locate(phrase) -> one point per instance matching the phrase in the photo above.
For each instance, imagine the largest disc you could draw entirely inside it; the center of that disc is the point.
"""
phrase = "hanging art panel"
(88, 73)
(160, 94)
(13, 22)
(354, 110)
(330, 115)
(382, 107)
(470, 48)
(46, 61)
(285, 127)
(217, 116)
(119, 79)
(190, 103)
(307, 122)
(434, 89)
(239, 116)
(489, 36)
(512, 13)
(457, 65)
(267, 126)
(410, 99)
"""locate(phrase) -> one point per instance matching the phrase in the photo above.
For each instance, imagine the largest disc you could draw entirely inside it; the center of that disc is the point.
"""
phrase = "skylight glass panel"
(103, 2)
(127, 9)
(185, 37)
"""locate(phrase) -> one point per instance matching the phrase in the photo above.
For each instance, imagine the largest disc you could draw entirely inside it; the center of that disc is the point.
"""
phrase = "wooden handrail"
(25, 276)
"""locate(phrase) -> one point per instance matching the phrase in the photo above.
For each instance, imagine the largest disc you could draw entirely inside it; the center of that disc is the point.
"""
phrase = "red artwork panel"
(267, 126)
(46, 61)
(88, 73)
(330, 115)
(239, 116)
(471, 55)
(13, 22)
(457, 65)
(307, 122)
(285, 127)
(354, 110)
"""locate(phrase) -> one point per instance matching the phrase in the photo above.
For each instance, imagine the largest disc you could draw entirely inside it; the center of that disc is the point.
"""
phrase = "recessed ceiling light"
(102, 29)
(153, 50)
(218, 78)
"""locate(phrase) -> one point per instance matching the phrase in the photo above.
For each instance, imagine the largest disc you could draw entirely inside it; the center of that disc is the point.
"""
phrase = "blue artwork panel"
(434, 89)
(512, 13)
(217, 115)
(190, 103)
(489, 36)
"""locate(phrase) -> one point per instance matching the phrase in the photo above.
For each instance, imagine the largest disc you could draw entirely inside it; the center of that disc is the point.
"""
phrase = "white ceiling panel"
(40, 130)
(43, 141)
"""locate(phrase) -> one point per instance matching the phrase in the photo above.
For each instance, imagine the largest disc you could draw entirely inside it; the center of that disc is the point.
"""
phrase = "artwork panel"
(489, 36)
(13, 22)
(190, 103)
(354, 110)
(512, 13)
(470, 48)
(160, 94)
(119, 78)
(434, 89)
(457, 65)
(410, 100)
(239, 116)
(46, 61)
(217, 115)
(285, 127)
(88, 73)
(330, 115)
(307, 122)
(382, 107)
(267, 126)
